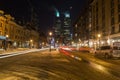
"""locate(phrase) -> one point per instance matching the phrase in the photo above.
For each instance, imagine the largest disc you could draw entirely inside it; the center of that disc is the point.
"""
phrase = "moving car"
(86, 49)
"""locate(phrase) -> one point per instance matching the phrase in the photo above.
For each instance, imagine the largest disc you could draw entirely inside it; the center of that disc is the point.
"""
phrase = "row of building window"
(103, 16)
(21, 38)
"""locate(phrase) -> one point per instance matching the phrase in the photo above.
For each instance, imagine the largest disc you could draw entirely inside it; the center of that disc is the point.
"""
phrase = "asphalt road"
(45, 65)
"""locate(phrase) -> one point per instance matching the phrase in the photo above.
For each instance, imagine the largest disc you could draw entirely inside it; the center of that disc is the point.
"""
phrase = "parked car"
(109, 51)
(116, 49)
(104, 51)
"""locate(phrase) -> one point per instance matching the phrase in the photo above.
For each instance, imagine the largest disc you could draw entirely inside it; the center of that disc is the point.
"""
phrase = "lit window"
(67, 15)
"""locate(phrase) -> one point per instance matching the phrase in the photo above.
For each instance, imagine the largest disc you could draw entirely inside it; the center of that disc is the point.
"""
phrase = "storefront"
(114, 38)
(2, 42)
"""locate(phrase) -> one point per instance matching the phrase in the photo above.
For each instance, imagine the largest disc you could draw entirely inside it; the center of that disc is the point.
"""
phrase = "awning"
(115, 36)
(2, 37)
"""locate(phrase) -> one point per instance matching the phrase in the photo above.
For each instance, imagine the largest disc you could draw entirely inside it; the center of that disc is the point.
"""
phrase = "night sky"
(21, 9)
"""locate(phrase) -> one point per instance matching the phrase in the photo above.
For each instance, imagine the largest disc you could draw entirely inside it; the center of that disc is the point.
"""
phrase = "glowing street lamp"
(31, 43)
(5, 42)
(31, 40)
(7, 36)
(99, 35)
(50, 34)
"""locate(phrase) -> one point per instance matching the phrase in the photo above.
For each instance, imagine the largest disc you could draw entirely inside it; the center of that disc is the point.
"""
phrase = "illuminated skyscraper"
(66, 28)
(62, 27)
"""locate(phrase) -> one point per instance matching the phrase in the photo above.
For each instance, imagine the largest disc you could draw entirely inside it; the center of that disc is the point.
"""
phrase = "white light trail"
(19, 53)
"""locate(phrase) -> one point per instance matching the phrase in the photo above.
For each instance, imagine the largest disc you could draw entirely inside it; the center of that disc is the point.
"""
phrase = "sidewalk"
(13, 50)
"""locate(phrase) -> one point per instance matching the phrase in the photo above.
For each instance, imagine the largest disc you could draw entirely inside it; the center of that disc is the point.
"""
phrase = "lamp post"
(5, 42)
(7, 36)
(99, 36)
(76, 39)
(50, 34)
(31, 43)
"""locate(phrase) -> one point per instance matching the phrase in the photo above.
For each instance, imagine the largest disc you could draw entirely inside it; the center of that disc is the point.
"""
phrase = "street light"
(76, 39)
(31, 43)
(5, 42)
(7, 36)
(50, 34)
(99, 36)
(31, 40)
